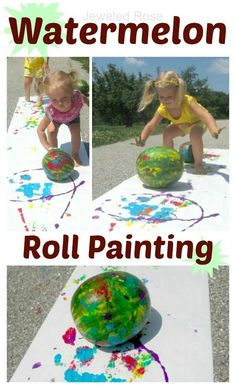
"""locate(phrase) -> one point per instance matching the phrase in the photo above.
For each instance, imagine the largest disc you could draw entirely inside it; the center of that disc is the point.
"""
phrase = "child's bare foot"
(76, 160)
(201, 170)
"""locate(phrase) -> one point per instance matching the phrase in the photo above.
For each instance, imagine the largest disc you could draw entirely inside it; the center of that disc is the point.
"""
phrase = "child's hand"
(138, 142)
(217, 133)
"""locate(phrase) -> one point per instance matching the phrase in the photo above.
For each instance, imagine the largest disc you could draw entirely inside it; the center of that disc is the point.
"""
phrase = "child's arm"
(149, 128)
(44, 123)
(205, 117)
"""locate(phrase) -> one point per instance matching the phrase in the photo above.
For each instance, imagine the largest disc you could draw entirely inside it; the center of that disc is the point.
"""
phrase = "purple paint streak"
(36, 365)
(139, 346)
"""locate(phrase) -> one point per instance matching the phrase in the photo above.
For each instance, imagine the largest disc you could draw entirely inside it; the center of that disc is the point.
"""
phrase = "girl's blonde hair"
(164, 80)
(61, 80)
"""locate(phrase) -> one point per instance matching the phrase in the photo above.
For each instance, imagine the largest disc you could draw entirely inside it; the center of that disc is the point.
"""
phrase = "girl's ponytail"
(148, 95)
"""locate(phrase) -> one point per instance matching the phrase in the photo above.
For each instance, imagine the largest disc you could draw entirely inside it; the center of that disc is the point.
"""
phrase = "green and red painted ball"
(57, 165)
(159, 166)
(111, 308)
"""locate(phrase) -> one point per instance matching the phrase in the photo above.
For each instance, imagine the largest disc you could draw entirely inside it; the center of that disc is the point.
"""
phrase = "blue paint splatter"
(165, 213)
(47, 189)
(26, 177)
(57, 360)
(85, 354)
(31, 189)
(139, 209)
(73, 376)
(143, 198)
(28, 189)
(145, 210)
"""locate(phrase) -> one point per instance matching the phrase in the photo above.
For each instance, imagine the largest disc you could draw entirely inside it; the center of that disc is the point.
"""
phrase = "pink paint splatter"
(69, 336)
(20, 210)
(72, 365)
(176, 203)
(112, 225)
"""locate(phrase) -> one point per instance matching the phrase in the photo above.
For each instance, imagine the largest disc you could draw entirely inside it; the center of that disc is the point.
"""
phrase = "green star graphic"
(216, 261)
(49, 14)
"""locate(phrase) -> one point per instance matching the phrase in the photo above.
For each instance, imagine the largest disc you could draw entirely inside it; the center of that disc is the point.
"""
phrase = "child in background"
(34, 69)
(185, 114)
(64, 108)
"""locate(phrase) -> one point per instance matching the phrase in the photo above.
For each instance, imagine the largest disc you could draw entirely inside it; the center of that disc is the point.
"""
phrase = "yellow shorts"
(187, 127)
(33, 72)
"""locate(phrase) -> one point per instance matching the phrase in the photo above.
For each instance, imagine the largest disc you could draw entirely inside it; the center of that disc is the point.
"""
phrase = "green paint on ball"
(159, 166)
(57, 165)
(111, 308)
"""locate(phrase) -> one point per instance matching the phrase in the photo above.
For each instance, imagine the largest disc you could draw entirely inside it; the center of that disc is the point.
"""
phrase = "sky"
(215, 69)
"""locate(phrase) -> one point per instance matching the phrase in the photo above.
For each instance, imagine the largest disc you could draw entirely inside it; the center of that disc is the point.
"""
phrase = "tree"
(116, 95)
(216, 102)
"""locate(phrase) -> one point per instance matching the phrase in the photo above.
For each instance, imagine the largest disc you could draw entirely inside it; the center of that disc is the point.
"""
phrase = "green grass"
(104, 134)
(84, 62)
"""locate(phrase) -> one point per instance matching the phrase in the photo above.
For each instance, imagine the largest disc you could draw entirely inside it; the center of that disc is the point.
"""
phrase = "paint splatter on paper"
(66, 356)
(36, 203)
(37, 197)
(184, 205)
(153, 210)
(129, 362)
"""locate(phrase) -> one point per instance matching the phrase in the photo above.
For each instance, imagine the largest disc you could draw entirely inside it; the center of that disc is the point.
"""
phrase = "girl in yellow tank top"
(34, 69)
(185, 114)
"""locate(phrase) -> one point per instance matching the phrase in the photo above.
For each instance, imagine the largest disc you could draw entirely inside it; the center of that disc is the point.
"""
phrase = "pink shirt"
(66, 117)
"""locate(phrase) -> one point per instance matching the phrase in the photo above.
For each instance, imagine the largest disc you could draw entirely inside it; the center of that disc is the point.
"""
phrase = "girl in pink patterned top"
(64, 108)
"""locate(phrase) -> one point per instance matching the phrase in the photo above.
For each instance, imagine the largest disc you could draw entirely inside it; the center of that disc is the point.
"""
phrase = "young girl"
(34, 69)
(185, 114)
(64, 107)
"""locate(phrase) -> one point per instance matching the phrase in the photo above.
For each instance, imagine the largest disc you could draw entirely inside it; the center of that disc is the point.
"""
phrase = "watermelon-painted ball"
(159, 166)
(111, 308)
(186, 153)
(57, 164)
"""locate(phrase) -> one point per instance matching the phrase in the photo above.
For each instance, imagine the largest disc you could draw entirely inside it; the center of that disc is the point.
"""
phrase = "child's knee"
(52, 130)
